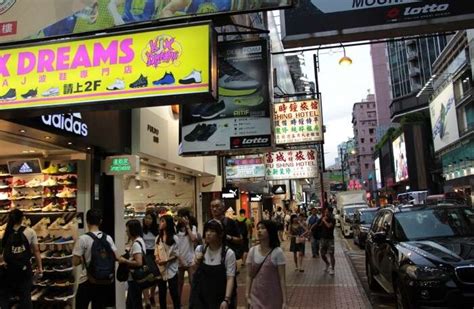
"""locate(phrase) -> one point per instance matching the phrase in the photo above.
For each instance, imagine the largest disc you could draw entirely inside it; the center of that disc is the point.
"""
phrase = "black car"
(424, 255)
(361, 224)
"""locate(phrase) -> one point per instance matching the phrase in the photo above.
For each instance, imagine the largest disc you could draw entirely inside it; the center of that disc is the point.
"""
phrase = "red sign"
(8, 28)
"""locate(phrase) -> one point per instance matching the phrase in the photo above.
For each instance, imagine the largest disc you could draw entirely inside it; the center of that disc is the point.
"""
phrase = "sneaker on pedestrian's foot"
(331, 271)
(327, 268)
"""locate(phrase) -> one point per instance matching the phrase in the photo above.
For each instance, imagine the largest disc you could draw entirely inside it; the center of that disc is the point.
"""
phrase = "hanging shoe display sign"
(135, 69)
(239, 122)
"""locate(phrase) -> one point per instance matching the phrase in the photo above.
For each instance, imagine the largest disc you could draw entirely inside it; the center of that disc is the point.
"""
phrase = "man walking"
(231, 229)
(327, 224)
(314, 227)
(245, 228)
(97, 252)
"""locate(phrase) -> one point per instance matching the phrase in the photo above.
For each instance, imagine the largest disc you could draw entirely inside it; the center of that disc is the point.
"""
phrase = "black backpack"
(17, 252)
(243, 228)
(101, 269)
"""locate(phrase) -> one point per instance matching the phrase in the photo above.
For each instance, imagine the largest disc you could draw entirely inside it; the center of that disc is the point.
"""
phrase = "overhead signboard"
(291, 164)
(314, 22)
(151, 64)
(400, 158)
(24, 167)
(256, 197)
(65, 17)
(279, 189)
(240, 119)
(251, 166)
(122, 165)
(378, 175)
(444, 122)
(230, 193)
(298, 122)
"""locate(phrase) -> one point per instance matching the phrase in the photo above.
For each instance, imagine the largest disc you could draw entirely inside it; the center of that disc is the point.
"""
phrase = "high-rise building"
(364, 124)
(296, 63)
(381, 72)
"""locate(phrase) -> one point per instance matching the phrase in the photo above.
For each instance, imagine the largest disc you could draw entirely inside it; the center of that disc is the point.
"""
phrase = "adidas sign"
(25, 169)
(68, 122)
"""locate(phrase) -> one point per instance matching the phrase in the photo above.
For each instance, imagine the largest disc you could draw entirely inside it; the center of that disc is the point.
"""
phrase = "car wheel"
(401, 296)
(373, 285)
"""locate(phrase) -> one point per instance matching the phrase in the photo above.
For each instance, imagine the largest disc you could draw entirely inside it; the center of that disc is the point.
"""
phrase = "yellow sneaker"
(52, 169)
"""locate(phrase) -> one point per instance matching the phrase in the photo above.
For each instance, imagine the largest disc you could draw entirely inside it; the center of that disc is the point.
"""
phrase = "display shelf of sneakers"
(56, 237)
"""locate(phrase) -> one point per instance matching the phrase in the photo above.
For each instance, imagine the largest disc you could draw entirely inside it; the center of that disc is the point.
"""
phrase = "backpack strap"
(224, 254)
(21, 229)
(93, 236)
(140, 244)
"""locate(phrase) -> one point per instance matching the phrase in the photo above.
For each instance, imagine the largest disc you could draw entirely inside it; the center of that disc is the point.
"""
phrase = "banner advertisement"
(248, 167)
(65, 17)
(240, 119)
(314, 22)
(291, 164)
(444, 122)
(400, 158)
(298, 122)
(378, 175)
(173, 61)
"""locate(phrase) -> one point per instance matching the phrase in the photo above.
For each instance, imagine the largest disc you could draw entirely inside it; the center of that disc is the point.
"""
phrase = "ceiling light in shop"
(137, 184)
(31, 151)
(25, 151)
(47, 137)
(69, 143)
(22, 131)
(199, 175)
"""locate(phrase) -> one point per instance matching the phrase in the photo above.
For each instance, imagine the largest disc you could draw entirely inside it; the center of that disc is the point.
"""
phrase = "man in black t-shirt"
(231, 229)
(328, 223)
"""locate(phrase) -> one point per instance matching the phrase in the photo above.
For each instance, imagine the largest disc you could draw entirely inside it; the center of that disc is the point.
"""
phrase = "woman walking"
(213, 281)
(166, 254)
(187, 235)
(297, 233)
(150, 232)
(19, 243)
(137, 252)
(266, 278)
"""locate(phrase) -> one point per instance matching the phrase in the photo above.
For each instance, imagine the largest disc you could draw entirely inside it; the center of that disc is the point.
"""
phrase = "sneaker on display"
(51, 92)
(167, 79)
(141, 82)
(32, 93)
(192, 78)
(49, 207)
(52, 169)
(250, 100)
(62, 240)
(208, 132)
(68, 168)
(118, 84)
(66, 193)
(9, 96)
(50, 182)
(192, 136)
(213, 110)
(4, 184)
(33, 183)
(4, 196)
(19, 183)
(233, 82)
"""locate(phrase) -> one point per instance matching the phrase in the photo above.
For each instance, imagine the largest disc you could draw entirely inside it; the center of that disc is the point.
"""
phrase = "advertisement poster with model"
(59, 18)
(400, 158)
(444, 123)
(240, 119)
(313, 22)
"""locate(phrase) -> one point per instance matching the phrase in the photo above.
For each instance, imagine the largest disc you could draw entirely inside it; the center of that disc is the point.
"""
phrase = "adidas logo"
(25, 169)
(71, 122)
(279, 190)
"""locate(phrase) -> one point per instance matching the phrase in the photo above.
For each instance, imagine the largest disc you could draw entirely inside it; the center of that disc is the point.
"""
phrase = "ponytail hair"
(15, 217)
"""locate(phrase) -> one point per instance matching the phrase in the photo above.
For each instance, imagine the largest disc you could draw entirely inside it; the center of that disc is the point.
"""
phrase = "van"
(347, 218)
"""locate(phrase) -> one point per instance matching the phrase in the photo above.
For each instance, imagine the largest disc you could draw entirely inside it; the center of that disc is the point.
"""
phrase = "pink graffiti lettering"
(161, 51)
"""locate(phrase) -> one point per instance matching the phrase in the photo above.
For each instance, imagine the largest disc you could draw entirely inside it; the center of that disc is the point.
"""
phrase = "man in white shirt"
(91, 292)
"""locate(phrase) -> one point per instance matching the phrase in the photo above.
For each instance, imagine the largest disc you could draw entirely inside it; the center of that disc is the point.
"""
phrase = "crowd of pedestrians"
(161, 250)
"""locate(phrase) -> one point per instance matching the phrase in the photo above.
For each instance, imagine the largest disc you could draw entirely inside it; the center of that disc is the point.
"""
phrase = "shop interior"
(48, 183)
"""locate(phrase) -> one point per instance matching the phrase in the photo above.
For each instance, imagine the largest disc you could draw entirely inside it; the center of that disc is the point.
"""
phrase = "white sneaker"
(193, 78)
(331, 272)
(118, 84)
(51, 92)
(327, 268)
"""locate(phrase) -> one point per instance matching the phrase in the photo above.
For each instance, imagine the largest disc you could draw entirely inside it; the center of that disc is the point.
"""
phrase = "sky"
(340, 87)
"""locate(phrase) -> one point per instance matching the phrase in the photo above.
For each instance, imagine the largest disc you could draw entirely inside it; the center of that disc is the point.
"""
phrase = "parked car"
(424, 255)
(362, 221)
(347, 217)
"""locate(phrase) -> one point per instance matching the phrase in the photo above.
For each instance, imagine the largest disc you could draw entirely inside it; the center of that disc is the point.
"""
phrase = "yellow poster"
(172, 61)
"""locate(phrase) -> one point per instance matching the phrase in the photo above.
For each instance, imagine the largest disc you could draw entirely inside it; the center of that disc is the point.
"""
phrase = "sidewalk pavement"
(314, 288)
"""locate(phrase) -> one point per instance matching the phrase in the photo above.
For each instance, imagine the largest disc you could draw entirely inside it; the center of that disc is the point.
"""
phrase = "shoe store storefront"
(47, 168)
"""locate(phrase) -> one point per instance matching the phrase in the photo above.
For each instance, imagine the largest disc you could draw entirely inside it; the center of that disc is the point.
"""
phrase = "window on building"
(362, 140)
(371, 131)
(371, 140)
(366, 165)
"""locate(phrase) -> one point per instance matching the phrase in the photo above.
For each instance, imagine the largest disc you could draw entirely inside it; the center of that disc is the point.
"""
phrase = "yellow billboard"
(152, 63)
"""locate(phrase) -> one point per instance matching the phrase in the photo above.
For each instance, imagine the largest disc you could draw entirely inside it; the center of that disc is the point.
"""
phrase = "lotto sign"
(291, 164)
(164, 62)
(298, 122)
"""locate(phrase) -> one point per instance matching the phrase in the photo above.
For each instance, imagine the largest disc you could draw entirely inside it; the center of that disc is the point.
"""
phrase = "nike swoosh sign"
(178, 194)
(332, 6)
(207, 184)
(150, 195)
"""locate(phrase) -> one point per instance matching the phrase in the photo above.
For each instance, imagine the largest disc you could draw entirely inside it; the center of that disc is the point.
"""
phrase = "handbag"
(143, 274)
(123, 270)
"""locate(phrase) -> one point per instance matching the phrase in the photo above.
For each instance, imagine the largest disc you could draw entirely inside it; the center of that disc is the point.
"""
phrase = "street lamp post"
(342, 166)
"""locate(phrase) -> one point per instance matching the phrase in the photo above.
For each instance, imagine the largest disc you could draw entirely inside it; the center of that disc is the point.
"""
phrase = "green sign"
(122, 165)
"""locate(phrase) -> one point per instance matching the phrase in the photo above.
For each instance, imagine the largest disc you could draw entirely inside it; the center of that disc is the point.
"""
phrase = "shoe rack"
(49, 203)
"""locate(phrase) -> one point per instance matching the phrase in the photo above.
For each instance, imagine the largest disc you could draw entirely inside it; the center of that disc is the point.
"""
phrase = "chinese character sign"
(291, 164)
(298, 122)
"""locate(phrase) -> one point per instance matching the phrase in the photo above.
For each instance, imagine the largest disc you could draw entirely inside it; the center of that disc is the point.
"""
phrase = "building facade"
(364, 123)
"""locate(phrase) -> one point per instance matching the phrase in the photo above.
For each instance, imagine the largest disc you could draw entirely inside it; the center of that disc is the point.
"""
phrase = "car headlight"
(426, 273)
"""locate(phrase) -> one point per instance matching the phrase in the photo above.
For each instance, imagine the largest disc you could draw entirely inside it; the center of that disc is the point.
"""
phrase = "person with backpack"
(245, 229)
(166, 254)
(233, 237)
(97, 252)
(19, 243)
(314, 227)
(215, 269)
